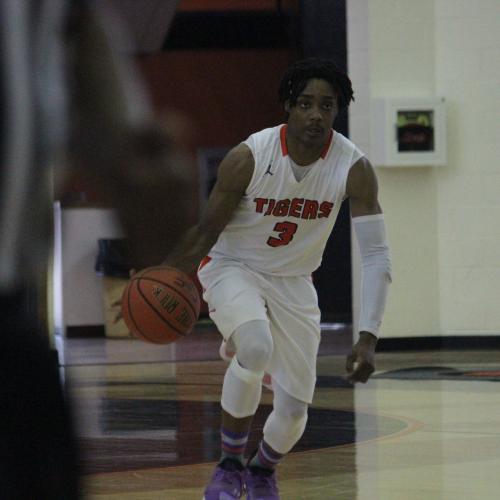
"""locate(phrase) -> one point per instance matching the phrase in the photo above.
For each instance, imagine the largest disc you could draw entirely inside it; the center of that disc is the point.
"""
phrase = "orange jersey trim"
(284, 147)
(204, 262)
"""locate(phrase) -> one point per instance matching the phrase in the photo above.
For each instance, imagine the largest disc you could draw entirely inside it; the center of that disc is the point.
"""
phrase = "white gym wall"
(443, 222)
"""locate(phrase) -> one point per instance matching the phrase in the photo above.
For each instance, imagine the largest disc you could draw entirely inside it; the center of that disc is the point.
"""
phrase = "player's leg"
(282, 430)
(227, 351)
(294, 322)
(241, 394)
(238, 309)
(242, 387)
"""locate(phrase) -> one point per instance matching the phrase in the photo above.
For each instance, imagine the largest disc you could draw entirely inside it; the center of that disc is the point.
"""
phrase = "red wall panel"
(226, 94)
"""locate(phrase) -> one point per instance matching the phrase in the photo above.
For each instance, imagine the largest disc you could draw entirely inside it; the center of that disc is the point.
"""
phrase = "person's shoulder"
(236, 169)
(240, 154)
(341, 141)
(266, 134)
(344, 145)
(362, 180)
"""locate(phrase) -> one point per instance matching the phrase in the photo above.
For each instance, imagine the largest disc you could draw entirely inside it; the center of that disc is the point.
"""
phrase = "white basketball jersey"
(281, 225)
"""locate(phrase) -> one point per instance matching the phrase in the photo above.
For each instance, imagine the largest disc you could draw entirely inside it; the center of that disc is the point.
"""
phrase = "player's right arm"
(233, 178)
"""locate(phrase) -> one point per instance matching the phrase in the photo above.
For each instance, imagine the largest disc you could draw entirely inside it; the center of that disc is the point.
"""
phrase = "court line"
(413, 426)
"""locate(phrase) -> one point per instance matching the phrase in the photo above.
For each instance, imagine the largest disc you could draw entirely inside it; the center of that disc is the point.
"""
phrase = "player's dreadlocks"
(297, 75)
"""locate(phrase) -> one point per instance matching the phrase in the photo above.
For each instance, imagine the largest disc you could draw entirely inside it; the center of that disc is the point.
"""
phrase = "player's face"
(311, 118)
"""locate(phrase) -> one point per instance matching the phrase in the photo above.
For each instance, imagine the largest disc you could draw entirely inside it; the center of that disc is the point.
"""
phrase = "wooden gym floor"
(148, 419)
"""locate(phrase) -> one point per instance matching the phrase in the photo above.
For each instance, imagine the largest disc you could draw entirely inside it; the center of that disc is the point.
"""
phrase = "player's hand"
(360, 363)
(118, 303)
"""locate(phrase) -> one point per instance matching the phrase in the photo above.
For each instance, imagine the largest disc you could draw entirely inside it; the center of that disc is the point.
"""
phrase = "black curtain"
(323, 33)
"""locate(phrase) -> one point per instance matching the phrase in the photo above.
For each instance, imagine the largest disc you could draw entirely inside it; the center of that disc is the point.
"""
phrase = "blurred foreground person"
(67, 100)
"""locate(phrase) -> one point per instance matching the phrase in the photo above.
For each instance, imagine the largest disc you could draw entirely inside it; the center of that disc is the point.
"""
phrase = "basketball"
(160, 305)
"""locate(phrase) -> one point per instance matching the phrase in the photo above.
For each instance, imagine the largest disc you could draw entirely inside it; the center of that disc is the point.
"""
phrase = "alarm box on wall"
(408, 132)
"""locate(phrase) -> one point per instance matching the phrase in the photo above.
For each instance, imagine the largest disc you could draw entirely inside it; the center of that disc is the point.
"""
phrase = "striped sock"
(233, 444)
(266, 457)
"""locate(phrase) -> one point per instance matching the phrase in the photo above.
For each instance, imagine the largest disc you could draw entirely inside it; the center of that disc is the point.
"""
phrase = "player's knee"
(293, 418)
(294, 413)
(288, 407)
(282, 432)
(254, 345)
(255, 355)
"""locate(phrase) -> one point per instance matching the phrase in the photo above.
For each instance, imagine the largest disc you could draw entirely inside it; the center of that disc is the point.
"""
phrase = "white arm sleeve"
(376, 270)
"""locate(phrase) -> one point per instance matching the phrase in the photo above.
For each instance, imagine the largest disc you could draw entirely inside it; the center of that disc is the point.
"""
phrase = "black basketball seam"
(156, 312)
(134, 321)
(175, 290)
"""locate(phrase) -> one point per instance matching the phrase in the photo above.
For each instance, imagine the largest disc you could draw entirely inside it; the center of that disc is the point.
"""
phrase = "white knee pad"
(286, 423)
(282, 433)
(254, 344)
(241, 391)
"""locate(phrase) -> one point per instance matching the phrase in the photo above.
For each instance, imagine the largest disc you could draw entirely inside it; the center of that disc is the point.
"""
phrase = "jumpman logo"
(268, 171)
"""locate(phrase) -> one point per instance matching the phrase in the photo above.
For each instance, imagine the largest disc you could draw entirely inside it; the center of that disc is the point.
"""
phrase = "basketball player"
(265, 228)
(44, 46)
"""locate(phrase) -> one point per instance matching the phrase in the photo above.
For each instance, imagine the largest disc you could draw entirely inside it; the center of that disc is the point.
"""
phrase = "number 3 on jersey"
(286, 231)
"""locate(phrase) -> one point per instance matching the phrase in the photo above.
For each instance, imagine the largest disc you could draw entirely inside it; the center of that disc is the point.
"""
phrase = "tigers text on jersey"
(281, 225)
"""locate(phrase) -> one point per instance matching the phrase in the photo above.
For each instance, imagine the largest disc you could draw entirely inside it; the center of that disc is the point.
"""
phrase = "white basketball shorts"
(237, 294)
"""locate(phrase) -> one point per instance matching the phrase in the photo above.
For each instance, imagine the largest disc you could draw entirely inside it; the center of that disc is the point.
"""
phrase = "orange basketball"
(160, 304)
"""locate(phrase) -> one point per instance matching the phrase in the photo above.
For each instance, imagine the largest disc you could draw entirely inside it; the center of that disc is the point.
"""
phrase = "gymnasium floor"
(148, 420)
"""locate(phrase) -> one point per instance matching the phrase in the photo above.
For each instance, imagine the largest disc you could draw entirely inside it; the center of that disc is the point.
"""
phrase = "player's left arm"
(368, 223)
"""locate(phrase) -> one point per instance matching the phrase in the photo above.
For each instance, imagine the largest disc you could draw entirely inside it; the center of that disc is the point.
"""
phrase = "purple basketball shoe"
(226, 482)
(261, 484)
